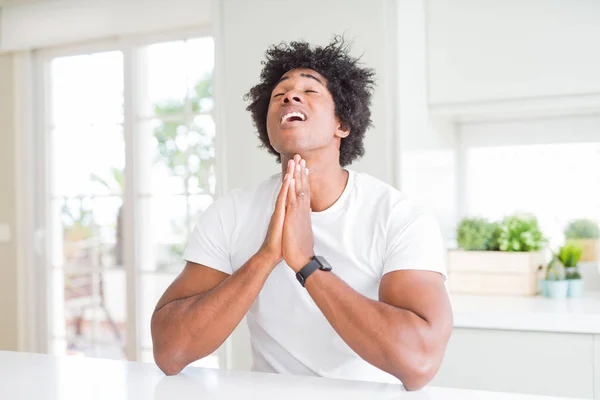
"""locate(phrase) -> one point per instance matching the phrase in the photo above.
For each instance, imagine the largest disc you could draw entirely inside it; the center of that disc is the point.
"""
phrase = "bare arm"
(404, 333)
(203, 306)
(200, 310)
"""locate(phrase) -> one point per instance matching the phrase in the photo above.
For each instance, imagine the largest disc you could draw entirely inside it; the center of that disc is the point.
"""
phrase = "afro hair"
(350, 85)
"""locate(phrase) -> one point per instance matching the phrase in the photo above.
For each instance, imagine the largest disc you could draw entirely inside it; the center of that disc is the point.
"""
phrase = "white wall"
(527, 131)
(245, 31)
(490, 49)
(426, 150)
(249, 27)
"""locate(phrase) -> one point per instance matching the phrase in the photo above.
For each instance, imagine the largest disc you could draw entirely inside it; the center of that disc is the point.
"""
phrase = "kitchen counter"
(535, 313)
(35, 376)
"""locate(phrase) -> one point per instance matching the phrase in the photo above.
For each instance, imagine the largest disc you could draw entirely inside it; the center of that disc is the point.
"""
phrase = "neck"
(327, 180)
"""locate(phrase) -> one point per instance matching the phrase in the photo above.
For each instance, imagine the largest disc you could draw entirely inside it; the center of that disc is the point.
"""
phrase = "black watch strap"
(313, 265)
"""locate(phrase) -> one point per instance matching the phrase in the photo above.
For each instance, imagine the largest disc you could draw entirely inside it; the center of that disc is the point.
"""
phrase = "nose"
(292, 97)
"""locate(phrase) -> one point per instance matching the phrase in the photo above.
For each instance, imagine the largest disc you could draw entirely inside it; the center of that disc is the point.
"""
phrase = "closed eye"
(278, 94)
(310, 91)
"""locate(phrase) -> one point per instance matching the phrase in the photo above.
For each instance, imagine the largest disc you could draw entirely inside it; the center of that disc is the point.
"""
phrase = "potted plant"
(569, 256)
(520, 233)
(502, 257)
(584, 233)
(556, 285)
(477, 234)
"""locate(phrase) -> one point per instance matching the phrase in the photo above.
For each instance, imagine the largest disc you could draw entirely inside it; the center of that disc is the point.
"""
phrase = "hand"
(271, 247)
(298, 241)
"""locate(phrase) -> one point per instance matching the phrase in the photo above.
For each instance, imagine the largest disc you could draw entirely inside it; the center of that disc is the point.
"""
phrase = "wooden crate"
(495, 272)
(591, 248)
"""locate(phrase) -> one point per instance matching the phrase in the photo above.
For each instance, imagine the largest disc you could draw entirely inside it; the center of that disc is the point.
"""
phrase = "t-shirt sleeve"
(209, 243)
(414, 243)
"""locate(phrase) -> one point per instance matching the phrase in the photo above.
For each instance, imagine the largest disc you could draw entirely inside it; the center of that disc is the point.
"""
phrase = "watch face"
(325, 266)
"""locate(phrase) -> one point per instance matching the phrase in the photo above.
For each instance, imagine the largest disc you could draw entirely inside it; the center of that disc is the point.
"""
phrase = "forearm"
(393, 339)
(191, 328)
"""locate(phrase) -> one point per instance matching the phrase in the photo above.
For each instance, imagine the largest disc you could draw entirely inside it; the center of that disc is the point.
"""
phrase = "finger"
(287, 176)
(297, 158)
(291, 168)
(291, 196)
(298, 177)
(282, 197)
(305, 183)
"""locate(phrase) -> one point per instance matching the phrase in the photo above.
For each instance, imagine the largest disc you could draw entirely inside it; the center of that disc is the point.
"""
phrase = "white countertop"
(535, 313)
(35, 376)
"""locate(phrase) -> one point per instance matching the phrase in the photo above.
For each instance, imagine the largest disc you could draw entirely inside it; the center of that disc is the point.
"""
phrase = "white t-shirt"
(371, 229)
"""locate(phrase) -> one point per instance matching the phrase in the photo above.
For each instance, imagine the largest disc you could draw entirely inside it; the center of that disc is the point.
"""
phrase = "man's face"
(301, 116)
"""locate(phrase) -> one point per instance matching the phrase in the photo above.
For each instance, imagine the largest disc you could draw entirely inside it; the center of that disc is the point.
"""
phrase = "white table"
(35, 376)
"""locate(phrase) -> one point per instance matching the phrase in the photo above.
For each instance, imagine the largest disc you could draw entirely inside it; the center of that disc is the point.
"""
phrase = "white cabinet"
(548, 363)
(489, 50)
(597, 366)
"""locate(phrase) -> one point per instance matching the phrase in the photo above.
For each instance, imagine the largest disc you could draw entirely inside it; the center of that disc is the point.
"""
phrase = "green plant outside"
(168, 134)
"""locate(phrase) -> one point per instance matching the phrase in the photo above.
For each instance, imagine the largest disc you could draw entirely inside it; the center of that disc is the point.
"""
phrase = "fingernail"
(292, 181)
(306, 171)
(298, 167)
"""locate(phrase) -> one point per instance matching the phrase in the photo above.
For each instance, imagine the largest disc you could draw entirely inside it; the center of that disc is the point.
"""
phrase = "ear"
(341, 130)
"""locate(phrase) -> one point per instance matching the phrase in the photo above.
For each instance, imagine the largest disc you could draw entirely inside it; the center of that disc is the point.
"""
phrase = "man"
(339, 274)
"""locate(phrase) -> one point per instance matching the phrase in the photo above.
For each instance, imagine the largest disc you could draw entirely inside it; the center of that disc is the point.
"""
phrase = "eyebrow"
(305, 76)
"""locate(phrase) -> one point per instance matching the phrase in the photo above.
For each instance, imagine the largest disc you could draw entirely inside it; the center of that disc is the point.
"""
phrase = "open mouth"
(293, 116)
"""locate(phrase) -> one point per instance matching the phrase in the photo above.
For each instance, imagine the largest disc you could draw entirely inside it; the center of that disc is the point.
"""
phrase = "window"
(142, 112)
(556, 182)
(87, 156)
(547, 166)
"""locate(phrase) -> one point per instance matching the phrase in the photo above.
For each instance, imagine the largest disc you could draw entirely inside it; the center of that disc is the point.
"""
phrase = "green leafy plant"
(494, 243)
(476, 234)
(572, 273)
(582, 229)
(555, 270)
(569, 255)
(520, 233)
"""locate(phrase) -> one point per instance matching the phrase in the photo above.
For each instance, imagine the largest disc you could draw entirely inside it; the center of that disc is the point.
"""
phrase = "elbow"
(167, 362)
(417, 373)
(166, 354)
(418, 369)
(416, 377)
(423, 365)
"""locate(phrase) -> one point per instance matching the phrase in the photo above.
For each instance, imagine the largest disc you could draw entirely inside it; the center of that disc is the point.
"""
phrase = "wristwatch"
(316, 263)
